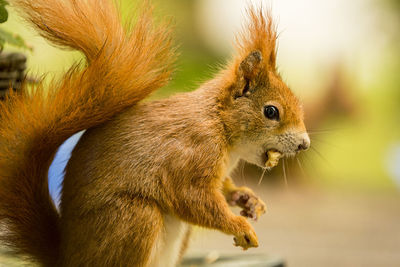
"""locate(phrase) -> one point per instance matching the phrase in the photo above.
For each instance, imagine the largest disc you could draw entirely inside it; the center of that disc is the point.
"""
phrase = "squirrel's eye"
(271, 112)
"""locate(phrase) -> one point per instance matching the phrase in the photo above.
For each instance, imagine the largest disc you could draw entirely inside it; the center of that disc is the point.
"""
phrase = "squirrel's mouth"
(272, 157)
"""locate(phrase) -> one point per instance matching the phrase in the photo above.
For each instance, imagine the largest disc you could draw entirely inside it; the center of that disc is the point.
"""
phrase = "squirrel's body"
(143, 172)
(147, 135)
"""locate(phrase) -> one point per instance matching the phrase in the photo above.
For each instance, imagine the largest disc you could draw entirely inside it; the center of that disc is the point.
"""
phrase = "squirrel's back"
(146, 134)
(123, 67)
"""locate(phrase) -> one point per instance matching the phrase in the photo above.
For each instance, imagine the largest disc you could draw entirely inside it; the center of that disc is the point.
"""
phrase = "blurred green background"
(342, 58)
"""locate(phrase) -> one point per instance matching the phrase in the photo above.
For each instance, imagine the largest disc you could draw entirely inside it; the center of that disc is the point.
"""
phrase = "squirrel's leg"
(253, 207)
(126, 232)
(207, 207)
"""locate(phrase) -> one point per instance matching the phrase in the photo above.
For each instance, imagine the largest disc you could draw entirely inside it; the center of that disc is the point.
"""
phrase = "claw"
(252, 206)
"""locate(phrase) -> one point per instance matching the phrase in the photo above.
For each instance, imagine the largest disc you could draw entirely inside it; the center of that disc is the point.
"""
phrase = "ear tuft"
(251, 65)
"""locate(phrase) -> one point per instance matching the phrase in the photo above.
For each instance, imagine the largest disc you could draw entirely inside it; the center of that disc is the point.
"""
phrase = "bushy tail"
(124, 65)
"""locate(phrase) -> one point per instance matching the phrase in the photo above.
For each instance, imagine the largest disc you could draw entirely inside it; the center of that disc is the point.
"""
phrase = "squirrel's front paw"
(253, 207)
(246, 239)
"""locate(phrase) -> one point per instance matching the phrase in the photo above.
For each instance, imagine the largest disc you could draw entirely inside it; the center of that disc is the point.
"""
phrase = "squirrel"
(144, 171)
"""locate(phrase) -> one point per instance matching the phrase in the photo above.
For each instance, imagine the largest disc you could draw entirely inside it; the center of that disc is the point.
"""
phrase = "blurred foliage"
(3, 11)
(394, 4)
(351, 150)
(7, 37)
(12, 39)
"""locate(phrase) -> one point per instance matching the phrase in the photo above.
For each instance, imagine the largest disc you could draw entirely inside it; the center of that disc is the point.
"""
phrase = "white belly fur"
(169, 243)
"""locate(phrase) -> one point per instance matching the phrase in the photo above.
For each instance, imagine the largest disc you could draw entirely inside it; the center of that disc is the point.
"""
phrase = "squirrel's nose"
(304, 142)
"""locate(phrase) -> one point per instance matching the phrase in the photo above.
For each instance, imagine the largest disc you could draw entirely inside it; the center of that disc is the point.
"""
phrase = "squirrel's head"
(261, 113)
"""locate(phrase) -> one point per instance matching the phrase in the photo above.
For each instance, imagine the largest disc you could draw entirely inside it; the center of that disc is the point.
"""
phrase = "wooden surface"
(311, 228)
(234, 260)
(314, 228)
(12, 67)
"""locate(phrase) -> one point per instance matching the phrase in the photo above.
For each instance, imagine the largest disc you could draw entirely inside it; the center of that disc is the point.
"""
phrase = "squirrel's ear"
(248, 70)
(250, 67)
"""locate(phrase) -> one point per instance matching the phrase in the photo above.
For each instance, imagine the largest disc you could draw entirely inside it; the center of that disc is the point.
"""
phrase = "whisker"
(262, 176)
(325, 130)
(307, 160)
(321, 156)
(324, 142)
(305, 157)
(242, 172)
(284, 173)
(301, 167)
(319, 132)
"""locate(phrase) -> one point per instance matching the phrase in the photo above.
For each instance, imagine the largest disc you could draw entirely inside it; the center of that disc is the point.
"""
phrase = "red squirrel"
(143, 172)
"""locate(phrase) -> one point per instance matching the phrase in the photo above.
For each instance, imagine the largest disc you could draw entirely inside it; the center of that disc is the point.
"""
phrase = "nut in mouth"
(273, 156)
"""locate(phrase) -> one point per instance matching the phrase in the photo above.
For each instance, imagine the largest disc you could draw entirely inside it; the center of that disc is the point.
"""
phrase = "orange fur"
(259, 34)
(124, 67)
